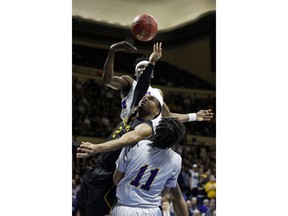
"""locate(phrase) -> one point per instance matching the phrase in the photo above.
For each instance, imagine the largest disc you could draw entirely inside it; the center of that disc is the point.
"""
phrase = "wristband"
(192, 117)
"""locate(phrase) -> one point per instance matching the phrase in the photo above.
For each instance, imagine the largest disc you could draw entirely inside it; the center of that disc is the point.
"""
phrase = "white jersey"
(127, 101)
(147, 171)
(194, 178)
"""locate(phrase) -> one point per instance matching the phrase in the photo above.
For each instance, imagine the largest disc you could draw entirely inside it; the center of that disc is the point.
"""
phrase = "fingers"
(82, 155)
(160, 46)
(86, 145)
(157, 47)
(205, 115)
(85, 149)
(83, 152)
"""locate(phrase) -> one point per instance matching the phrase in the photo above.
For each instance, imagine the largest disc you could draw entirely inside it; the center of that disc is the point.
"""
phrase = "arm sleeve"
(142, 85)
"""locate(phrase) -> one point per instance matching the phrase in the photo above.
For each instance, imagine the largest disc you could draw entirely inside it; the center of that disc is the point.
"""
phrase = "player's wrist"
(192, 117)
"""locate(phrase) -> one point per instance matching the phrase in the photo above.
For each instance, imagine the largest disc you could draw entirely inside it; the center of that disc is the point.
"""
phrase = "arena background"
(186, 73)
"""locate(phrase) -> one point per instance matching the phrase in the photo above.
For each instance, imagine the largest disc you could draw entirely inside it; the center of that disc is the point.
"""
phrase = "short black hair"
(142, 58)
(169, 132)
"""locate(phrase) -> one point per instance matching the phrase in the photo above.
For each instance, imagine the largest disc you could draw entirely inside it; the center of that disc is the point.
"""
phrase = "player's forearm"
(112, 145)
(185, 117)
(142, 85)
(179, 203)
(108, 69)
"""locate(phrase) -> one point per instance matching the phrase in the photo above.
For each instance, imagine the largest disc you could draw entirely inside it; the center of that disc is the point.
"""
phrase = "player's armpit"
(165, 191)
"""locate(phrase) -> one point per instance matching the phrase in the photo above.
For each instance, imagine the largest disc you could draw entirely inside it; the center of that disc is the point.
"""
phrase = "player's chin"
(142, 107)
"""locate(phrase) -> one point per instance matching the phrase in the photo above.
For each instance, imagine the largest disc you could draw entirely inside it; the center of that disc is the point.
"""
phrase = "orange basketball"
(144, 27)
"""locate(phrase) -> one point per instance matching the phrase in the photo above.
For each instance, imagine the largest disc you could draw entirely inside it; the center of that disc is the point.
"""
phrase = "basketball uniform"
(147, 171)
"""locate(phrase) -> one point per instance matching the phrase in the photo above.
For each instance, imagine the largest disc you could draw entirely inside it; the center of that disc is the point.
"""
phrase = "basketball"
(144, 27)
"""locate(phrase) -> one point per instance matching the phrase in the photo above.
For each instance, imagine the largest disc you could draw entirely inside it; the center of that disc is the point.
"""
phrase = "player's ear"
(156, 112)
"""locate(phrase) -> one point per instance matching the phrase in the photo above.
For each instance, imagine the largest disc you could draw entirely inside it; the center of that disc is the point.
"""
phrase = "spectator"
(194, 179)
(166, 208)
(204, 207)
(196, 213)
(210, 188)
(212, 207)
(189, 206)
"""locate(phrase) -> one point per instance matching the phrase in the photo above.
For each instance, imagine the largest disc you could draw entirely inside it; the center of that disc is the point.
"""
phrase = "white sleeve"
(172, 181)
(126, 155)
(122, 160)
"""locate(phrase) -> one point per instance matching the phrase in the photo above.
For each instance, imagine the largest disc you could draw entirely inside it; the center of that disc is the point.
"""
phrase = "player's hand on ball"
(123, 46)
(86, 149)
(204, 115)
(157, 53)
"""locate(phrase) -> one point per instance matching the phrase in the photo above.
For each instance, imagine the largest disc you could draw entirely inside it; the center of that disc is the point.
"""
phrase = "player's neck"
(144, 116)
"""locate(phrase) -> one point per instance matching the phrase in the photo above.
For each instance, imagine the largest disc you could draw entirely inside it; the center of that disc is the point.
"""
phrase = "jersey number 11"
(152, 176)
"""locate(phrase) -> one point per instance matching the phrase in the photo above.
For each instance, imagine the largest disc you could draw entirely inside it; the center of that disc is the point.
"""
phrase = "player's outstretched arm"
(202, 115)
(145, 79)
(141, 132)
(179, 203)
(108, 77)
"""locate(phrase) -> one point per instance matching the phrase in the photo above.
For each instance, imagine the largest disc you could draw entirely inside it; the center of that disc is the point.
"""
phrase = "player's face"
(148, 103)
(139, 69)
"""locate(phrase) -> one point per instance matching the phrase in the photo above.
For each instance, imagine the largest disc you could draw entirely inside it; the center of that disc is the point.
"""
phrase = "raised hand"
(157, 53)
(123, 46)
(204, 115)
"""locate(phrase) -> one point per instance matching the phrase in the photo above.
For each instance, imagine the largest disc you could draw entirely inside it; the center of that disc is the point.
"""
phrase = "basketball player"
(97, 194)
(148, 170)
(129, 86)
(131, 90)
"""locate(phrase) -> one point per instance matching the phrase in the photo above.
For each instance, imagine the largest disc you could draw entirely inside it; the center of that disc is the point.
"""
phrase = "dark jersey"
(109, 158)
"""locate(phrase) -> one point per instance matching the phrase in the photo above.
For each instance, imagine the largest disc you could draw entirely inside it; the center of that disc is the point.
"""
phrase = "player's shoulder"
(175, 155)
(142, 124)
